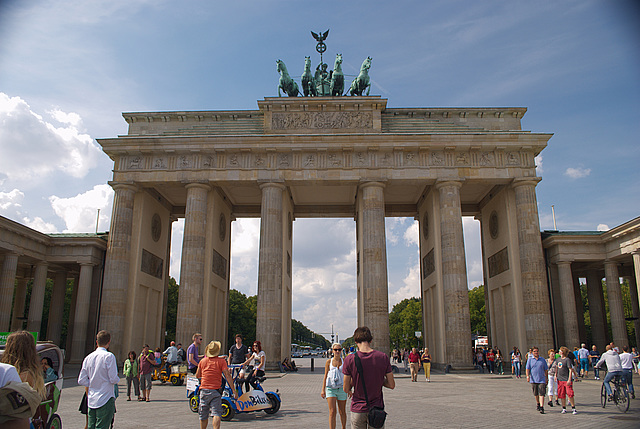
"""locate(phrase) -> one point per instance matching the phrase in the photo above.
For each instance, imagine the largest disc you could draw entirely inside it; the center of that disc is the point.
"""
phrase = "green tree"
(477, 311)
(172, 312)
(242, 317)
(404, 320)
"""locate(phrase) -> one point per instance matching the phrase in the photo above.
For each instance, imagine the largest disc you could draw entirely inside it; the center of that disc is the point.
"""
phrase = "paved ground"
(451, 401)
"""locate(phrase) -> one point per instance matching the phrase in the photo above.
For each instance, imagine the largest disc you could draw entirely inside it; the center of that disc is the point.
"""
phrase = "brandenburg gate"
(299, 157)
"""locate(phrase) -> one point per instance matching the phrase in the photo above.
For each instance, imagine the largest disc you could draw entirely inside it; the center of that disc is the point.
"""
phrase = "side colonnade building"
(28, 255)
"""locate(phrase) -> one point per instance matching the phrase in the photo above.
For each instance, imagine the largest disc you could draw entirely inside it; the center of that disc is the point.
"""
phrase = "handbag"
(376, 415)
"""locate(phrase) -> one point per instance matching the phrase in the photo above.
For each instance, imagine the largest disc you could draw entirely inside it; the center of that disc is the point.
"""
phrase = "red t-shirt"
(375, 366)
(414, 357)
(211, 372)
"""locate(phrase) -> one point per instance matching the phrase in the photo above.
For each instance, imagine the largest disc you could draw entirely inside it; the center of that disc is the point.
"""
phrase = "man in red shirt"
(210, 371)
(414, 363)
(376, 371)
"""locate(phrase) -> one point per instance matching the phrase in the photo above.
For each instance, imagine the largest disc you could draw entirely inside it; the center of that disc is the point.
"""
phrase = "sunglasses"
(337, 350)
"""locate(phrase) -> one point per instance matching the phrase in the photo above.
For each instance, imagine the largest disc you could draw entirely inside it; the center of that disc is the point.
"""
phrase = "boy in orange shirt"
(210, 371)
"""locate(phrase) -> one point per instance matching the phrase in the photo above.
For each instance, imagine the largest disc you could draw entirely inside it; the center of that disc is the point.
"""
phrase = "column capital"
(124, 186)
(563, 262)
(610, 262)
(441, 183)
(278, 185)
(200, 185)
(531, 181)
(368, 183)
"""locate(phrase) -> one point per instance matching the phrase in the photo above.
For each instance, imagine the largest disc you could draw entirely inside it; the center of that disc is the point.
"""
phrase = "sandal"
(140, 399)
(148, 400)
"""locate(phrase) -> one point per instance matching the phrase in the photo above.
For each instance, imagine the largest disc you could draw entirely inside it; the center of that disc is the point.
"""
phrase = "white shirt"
(626, 360)
(257, 361)
(99, 373)
(8, 373)
(612, 360)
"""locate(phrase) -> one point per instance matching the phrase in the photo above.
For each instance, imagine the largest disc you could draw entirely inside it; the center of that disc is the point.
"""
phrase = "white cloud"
(538, 161)
(177, 233)
(577, 173)
(39, 225)
(411, 234)
(33, 148)
(10, 201)
(603, 227)
(79, 213)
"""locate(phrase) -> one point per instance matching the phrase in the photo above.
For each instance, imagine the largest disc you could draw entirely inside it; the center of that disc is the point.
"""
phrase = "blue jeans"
(596, 371)
(608, 378)
(628, 377)
(584, 365)
(516, 365)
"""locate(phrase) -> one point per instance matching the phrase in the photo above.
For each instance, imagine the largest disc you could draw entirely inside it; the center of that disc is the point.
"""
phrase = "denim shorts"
(336, 393)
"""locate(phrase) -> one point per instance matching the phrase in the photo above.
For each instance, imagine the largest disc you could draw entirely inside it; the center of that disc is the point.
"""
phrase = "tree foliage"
(243, 312)
(477, 311)
(404, 320)
(172, 312)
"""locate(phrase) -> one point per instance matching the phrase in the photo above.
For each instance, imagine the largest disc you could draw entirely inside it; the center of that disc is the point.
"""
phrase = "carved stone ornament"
(222, 227)
(322, 120)
(425, 226)
(135, 163)
(156, 227)
(437, 158)
(493, 225)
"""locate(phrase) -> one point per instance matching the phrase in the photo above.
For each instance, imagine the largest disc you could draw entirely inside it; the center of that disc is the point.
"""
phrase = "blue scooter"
(253, 400)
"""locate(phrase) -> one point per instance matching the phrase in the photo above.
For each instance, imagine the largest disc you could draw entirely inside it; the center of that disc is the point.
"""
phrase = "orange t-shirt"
(211, 372)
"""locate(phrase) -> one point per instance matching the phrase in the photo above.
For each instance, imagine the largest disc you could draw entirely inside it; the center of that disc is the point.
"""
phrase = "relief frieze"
(151, 264)
(322, 120)
(498, 262)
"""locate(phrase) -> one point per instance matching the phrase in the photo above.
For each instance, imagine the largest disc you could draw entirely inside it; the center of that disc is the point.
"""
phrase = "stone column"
(374, 264)
(596, 310)
(34, 322)
(83, 300)
(54, 329)
(116, 271)
(7, 284)
(17, 320)
(454, 276)
(616, 309)
(270, 272)
(633, 290)
(192, 263)
(567, 294)
(535, 293)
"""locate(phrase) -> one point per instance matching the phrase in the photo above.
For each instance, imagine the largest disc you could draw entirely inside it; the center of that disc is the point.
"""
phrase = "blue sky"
(68, 69)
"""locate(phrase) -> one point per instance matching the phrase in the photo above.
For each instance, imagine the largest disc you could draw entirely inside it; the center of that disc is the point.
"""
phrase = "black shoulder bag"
(376, 415)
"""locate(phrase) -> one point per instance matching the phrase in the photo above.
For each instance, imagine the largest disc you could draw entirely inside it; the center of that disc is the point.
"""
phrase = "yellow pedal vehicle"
(175, 375)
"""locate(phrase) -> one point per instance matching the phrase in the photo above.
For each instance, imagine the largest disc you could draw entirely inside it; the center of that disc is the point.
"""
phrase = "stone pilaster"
(454, 276)
(375, 291)
(616, 309)
(34, 322)
(17, 320)
(83, 301)
(535, 293)
(270, 272)
(54, 328)
(116, 271)
(596, 310)
(567, 294)
(7, 284)
(192, 263)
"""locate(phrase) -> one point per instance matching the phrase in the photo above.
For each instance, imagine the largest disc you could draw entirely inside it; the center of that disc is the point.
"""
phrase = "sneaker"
(610, 398)
(574, 411)
(550, 403)
(564, 411)
(557, 403)
(537, 407)
(541, 410)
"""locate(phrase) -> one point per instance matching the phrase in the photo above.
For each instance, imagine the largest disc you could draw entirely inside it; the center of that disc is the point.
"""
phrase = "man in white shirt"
(614, 367)
(172, 355)
(626, 361)
(100, 373)
(583, 355)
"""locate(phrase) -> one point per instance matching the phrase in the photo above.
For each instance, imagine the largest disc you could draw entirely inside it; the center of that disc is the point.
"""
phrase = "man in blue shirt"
(583, 355)
(537, 370)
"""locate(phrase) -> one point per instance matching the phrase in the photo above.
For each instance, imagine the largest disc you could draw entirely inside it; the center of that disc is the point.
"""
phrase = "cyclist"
(626, 361)
(614, 367)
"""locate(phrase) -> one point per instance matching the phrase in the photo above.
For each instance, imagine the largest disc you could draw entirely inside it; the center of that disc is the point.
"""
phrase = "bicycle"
(620, 394)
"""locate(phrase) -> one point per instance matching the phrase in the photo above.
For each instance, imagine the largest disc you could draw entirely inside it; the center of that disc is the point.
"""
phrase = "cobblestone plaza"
(449, 401)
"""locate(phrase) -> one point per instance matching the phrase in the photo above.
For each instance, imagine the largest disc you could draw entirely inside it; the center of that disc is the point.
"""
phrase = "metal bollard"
(312, 364)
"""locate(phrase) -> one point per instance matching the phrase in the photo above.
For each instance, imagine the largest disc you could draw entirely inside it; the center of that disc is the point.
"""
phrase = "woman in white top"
(259, 359)
(332, 387)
